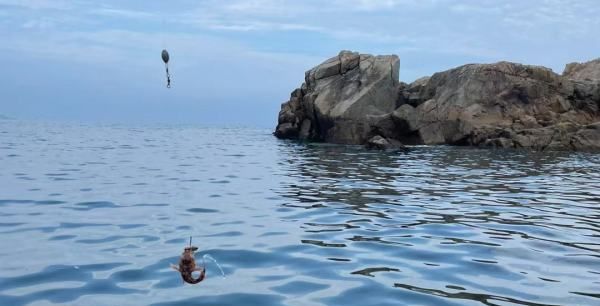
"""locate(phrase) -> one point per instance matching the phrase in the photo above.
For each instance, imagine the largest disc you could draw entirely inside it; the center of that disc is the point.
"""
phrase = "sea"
(94, 214)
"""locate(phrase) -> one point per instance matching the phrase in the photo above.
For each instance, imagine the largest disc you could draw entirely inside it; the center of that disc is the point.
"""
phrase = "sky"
(234, 62)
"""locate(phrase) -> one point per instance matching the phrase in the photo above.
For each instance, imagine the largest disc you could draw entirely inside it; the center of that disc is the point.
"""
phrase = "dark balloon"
(165, 56)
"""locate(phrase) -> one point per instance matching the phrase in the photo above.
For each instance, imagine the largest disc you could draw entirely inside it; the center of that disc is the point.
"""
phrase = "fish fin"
(174, 267)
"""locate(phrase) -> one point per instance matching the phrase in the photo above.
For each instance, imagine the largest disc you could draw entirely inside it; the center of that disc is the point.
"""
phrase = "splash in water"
(207, 256)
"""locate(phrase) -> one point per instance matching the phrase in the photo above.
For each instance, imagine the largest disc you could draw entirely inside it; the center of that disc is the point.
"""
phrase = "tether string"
(168, 79)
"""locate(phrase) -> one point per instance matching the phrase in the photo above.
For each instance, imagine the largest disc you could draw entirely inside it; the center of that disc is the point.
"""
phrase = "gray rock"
(349, 61)
(583, 71)
(305, 129)
(500, 142)
(587, 138)
(328, 69)
(414, 93)
(377, 142)
(530, 105)
(351, 97)
(380, 143)
(406, 117)
(286, 130)
(340, 98)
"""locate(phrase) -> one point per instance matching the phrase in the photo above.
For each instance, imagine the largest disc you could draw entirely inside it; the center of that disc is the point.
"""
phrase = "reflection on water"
(464, 225)
(94, 215)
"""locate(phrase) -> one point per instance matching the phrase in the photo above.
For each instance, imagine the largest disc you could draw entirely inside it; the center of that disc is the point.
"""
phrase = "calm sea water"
(94, 215)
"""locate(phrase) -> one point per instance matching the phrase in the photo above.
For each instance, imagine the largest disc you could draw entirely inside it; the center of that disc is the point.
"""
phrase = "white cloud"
(41, 24)
(483, 30)
(256, 26)
(39, 4)
(262, 47)
(370, 5)
(122, 13)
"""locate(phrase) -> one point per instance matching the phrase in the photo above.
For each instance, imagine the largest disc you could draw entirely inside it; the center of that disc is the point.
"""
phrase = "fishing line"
(207, 256)
(165, 54)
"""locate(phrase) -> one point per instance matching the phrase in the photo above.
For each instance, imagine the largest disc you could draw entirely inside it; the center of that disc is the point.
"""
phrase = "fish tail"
(188, 278)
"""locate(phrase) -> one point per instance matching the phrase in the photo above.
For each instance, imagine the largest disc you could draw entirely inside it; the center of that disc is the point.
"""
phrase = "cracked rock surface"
(339, 97)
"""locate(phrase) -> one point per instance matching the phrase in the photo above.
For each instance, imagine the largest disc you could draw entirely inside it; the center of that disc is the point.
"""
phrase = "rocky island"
(358, 99)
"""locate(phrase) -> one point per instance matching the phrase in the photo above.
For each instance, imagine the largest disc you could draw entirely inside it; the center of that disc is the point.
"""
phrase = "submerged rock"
(380, 143)
(357, 99)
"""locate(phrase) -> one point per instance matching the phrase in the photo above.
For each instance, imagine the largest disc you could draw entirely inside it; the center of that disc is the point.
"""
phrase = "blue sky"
(234, 62)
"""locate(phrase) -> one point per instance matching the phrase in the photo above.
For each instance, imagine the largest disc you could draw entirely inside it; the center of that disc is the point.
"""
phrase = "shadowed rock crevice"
(351, 98)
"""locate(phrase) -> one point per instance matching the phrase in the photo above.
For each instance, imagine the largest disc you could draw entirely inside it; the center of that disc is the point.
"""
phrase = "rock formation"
(353, 99)
(340, 98)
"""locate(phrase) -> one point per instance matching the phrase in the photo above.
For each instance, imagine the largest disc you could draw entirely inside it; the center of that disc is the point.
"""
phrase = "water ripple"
(94, 215)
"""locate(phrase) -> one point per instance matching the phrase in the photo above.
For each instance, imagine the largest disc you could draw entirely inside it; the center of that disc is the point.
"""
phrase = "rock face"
(586, 71)
(340, 99)
(501, 105)
(353, 98)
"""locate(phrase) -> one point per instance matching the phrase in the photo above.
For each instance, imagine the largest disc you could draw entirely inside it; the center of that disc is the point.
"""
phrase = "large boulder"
(503, 104)
(587, 138)
(341, 99)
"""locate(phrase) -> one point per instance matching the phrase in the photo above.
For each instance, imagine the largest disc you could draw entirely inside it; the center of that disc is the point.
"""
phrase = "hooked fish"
(187, 265)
